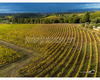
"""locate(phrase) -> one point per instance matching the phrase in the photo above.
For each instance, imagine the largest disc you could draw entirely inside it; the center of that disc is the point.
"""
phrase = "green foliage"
(87, 23)
(61, 20)
(65, 20)
(74, 15)
(86, 26)
(98, 20)
(91, 17)
(81, 21)
(94, 21)
(56, 21)
(91, 26)
(31, 21)
(85, 18)
(95, 15)
(74, 20)
(97, 25)
(83, 25)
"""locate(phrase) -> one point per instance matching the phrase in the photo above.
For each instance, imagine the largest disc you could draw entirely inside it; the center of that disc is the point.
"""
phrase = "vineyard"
(63, 50)
(8, 55)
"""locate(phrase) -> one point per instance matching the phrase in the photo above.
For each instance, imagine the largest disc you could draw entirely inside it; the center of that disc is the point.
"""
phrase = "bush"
(86, 17)
(91, 27)
(97, 25)
(94, 21)
(83, 25)
(86, 26)
(87, 23)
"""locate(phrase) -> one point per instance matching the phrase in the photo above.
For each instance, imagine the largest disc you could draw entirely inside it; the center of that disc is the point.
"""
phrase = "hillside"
(49, 50)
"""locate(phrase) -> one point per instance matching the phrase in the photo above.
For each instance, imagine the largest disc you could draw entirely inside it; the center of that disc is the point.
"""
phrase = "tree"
(81, 21)
(31, 21)
(61, 20)
(86, 17)
(91, 27)
(25, 20)
(94, 21)
(73, 20)
(56, 20)
(65, 20)
(10, 18)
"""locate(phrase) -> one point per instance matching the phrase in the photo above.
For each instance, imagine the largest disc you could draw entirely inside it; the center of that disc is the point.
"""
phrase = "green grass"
(52, 16)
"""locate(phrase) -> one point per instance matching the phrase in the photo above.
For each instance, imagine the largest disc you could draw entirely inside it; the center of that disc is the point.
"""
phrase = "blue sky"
(45, 7)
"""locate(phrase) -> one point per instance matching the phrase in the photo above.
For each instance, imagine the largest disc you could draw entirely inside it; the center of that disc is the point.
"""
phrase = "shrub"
(94, 21)
(87, 23)
(91, 27)
(83, 25)
(97, 25)
(86, 26)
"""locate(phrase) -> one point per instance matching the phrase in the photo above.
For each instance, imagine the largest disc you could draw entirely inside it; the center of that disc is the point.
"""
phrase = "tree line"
(70, 19)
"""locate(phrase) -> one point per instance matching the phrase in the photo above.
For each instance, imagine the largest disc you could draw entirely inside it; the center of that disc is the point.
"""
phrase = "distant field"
(52, 16)
(63, 50)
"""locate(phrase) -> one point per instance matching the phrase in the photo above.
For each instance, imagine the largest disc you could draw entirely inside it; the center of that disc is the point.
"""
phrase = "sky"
(46, 7)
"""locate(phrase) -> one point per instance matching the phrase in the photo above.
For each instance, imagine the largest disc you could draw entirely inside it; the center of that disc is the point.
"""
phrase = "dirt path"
(11, 70)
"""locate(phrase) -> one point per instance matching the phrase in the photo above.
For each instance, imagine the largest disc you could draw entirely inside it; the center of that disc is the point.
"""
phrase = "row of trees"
(69, 19)
(38, 20)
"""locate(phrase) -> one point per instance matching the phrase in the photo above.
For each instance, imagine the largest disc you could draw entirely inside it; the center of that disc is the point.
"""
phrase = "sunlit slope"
(65, 50)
